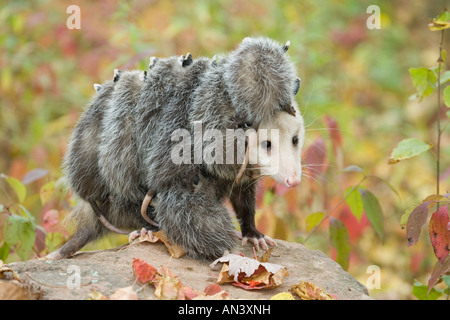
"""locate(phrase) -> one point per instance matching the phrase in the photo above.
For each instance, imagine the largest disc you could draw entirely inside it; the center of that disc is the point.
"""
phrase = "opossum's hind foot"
(78, 241)
(257, 240)
(137, 234)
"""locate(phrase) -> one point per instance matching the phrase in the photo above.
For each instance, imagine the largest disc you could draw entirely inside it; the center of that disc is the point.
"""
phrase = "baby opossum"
(121, 147)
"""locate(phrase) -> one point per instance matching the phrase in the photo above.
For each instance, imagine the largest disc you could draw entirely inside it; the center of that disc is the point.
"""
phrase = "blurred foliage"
(355, 98)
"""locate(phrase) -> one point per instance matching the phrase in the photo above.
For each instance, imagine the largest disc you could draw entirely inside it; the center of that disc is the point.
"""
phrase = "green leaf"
(4, 251)
(373, 211)
(313, 220)
(447, 96)
(446, 279)
(17, 186)
(340, 240)
(420, 292)
(445, 77)
(408, 148)
(424, 80)
(442, 22)
(354, 201)
(20, 232)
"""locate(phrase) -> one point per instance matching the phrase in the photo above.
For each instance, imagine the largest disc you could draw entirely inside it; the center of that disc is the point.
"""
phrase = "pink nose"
(292, 182)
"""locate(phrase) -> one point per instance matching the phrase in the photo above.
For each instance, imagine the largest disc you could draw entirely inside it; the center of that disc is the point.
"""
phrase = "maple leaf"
(143, 271)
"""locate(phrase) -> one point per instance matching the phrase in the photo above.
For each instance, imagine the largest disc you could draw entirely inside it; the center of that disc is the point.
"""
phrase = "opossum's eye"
(266, 144)
(248, 124)
(295, 140)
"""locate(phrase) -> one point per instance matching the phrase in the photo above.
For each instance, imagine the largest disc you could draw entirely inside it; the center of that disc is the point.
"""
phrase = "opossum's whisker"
(307, 101)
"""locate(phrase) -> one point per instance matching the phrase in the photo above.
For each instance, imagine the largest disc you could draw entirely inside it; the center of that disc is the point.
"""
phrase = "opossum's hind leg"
(198, 223)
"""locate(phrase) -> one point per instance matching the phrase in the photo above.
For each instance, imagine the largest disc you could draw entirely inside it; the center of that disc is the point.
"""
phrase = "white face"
(279, 143)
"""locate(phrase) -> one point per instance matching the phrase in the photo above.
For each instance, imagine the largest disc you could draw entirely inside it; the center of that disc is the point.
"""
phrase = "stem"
(334, 208)
(439, 131)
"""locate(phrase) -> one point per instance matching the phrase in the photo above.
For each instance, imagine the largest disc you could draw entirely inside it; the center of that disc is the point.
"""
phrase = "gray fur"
(121, 146)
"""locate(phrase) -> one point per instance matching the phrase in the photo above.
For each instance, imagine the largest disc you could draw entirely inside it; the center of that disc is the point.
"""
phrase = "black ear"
(117, 73)
(286, 46)
(297, 85)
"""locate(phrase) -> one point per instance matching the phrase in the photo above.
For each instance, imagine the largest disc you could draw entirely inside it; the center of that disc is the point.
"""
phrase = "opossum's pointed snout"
(292, 182)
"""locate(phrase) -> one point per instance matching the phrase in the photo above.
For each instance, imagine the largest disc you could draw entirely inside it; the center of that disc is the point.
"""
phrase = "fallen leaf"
(7, 273)
(439, 235)
(265, 256)
(143, 271)
(174, 250)
(249, 273)
(308, 291)
(282, 296)
(212, 289)
(149, 237)
(15, 290)
(169, 286)
(96, 295)
(126, 293)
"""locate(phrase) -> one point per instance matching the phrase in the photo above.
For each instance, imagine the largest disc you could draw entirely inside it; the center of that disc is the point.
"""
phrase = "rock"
(108, 270)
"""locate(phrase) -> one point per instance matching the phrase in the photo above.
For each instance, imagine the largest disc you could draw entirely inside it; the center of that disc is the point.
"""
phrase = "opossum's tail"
(88, 228)
(201, 225)
(121, 214)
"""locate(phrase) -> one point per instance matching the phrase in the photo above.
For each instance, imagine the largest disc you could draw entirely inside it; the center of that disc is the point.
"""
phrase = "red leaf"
(212, 289)
(439, 234)
(143, 271)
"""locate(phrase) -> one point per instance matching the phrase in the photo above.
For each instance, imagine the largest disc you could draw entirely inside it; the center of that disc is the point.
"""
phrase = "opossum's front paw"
(257, 239)
(136, 234)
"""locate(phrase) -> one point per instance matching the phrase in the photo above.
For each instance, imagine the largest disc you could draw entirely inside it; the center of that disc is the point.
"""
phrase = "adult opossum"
(123, 146)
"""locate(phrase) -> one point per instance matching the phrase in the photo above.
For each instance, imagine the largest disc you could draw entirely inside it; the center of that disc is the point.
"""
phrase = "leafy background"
(355, 98)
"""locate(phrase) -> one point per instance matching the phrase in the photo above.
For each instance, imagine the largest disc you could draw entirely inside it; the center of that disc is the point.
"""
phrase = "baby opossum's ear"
(97, 87)
(185, 61)
(297, 83)
(117, 73)
(153, 61)
(143, 76)
(286, 46)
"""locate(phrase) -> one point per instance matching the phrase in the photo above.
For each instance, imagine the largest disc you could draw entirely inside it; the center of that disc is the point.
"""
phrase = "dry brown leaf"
(265, 256)
(174, 250)
(169, 286)
(308, 291)
(126, 293)
(96, 295)
(7, 273)
(15, 290)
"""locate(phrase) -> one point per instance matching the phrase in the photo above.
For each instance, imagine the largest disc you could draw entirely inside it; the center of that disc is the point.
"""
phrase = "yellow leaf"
(47, 191)
(308, 291)
(282, 296)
